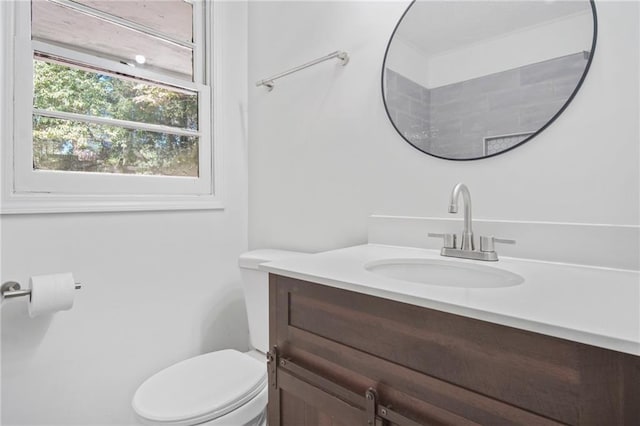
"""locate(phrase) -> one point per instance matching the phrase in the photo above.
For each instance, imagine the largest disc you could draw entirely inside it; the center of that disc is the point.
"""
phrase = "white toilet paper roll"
(51, 293)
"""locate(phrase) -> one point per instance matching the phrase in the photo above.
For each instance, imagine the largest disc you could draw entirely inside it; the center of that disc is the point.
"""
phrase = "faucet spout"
(467, 231)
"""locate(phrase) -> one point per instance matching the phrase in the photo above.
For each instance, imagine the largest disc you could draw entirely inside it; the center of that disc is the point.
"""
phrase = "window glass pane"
(172, 17)
(67, 145)
(78, 31)
(69, 89)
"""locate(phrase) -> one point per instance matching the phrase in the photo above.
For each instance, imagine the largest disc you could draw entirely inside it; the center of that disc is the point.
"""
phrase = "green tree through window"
(77, 145)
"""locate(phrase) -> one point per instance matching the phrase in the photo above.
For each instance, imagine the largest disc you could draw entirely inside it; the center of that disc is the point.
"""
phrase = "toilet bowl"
(222, 388)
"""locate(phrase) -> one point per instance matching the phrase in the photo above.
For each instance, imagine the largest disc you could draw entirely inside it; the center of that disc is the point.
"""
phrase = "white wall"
(158, 287)
(323, 155)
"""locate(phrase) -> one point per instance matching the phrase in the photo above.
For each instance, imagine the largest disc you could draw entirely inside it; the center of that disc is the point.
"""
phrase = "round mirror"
(464, 80)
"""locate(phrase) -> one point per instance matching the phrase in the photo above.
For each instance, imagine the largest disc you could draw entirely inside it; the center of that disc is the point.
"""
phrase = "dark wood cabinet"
(342, 358)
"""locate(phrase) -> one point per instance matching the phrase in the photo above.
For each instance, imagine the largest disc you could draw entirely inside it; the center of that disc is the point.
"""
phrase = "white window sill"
(47, 203)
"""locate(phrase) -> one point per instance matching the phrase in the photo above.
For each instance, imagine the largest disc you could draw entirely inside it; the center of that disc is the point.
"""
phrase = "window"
(112, 105)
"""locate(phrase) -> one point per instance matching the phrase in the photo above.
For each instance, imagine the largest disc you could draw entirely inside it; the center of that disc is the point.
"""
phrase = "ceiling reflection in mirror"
(464, 80)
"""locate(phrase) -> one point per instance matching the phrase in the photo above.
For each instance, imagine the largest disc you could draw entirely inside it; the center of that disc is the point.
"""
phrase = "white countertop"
(592, 305)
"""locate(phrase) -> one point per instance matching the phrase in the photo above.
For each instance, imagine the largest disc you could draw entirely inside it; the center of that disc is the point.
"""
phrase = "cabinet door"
(296, 402)
(300, 397)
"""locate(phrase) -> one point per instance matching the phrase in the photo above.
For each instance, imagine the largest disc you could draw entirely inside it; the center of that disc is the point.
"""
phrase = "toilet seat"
(200, 389)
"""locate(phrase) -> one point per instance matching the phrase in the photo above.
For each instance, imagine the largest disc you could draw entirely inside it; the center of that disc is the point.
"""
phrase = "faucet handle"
(488, 243)
(448, 239)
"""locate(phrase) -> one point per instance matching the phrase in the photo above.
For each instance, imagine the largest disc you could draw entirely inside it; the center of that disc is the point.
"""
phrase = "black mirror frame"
(536, 133)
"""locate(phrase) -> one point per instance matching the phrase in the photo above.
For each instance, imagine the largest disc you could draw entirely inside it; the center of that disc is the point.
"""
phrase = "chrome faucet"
(467, 231)
(467, 248)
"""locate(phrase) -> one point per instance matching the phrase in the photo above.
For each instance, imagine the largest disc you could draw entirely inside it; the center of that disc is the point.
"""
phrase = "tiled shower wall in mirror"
(454, 120)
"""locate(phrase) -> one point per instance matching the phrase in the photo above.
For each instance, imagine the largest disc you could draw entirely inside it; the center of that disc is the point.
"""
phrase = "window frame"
(25, 190)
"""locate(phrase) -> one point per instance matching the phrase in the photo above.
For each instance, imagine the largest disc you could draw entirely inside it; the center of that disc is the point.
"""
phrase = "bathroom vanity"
(351, 347)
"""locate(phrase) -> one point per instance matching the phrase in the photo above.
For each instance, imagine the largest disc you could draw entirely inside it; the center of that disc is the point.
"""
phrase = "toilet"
(221, 388)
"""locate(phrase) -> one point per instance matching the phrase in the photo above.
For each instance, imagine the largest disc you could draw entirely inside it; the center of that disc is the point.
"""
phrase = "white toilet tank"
(255, 284)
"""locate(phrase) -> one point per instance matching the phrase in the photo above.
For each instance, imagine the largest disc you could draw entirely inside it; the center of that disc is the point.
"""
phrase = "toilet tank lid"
(253, 258)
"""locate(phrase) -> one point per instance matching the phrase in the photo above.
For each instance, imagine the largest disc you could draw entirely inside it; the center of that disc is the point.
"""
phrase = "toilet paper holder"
(11, 289)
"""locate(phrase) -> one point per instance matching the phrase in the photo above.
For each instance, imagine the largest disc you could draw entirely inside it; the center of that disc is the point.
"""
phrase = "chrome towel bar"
(11, 289)
(268, 82)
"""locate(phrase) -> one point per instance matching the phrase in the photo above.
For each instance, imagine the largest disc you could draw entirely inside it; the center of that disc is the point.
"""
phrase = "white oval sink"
(444, 273)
